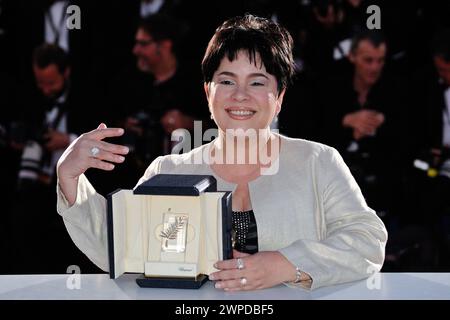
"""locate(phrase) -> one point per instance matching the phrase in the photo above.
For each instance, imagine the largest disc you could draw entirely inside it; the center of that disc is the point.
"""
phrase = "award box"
(172, 228)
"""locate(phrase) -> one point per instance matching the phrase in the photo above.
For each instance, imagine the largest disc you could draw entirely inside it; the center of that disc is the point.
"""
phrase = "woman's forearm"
(69, 188)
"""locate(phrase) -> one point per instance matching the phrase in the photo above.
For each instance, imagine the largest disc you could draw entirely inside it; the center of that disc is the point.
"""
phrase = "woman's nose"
(240, 93)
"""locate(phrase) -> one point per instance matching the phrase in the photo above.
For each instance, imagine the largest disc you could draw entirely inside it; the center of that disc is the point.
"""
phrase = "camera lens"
(30, 165)
(445, 169)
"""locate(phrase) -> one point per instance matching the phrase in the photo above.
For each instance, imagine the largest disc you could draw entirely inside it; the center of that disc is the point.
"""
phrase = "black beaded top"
(245, 236)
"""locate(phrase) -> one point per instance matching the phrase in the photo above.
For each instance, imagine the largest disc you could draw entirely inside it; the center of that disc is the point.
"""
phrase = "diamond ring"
(240, 264)
(243, 281)
(94, 151)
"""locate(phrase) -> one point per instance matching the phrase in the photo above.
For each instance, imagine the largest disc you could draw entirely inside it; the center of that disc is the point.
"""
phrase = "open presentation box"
(171, 228)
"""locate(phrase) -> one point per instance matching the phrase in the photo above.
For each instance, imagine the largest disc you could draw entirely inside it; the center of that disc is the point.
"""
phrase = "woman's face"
(242, 95)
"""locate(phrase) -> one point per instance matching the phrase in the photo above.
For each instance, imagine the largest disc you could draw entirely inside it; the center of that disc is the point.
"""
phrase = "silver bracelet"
(298, 275)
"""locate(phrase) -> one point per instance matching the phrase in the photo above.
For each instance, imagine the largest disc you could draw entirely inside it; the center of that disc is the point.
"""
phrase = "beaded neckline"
(245, 211)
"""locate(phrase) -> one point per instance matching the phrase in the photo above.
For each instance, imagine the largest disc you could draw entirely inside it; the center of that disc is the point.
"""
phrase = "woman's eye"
(256, 83)
(226, 82)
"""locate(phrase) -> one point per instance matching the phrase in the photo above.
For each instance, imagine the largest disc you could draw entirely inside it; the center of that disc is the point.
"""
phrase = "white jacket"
(311, 210)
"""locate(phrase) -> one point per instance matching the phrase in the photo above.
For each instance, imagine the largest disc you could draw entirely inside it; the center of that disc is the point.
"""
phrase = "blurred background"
(381, 97)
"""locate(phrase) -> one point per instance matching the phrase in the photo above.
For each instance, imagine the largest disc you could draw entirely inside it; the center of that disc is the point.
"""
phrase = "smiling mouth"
(240, 114)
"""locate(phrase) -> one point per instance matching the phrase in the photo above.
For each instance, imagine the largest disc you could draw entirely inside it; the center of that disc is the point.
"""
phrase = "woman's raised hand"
(88, 151)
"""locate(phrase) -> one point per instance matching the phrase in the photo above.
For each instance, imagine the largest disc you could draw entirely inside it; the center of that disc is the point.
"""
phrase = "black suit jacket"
(425, 119)
(386, 96)
(27, 32)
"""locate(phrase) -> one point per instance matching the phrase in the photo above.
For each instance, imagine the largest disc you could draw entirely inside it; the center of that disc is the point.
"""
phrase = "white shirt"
(312, 211)
(446, 119)
(57, 14)
(50, 117)
(150, 7)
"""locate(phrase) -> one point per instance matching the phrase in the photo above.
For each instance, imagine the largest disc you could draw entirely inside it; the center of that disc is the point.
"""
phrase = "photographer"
(429, 155)
(52, 123)
(331, 25)
(361, 121)
(154, 98)
(48, 132)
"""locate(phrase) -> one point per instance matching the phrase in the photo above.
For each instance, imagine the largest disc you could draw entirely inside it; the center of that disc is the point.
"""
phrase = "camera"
(34, 154)
(147, 144)
(434, 163)
(31, 161)
(445, 169)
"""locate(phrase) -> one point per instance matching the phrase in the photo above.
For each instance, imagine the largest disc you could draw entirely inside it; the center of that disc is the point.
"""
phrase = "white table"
(392, 286)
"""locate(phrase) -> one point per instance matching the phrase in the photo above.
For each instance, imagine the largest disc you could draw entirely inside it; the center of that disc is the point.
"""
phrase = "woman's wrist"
(68, 187)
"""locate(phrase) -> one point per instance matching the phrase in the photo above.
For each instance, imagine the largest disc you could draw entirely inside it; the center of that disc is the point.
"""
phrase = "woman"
(299, 216)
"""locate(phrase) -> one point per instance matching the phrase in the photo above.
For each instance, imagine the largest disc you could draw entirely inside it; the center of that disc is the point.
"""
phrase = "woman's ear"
(280, 101)
(206, 88)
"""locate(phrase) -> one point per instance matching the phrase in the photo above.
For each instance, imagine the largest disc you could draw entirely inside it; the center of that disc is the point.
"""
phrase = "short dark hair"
(164, 27)
(47, 54)
(375, 37)
(254, 35)
(440, 45)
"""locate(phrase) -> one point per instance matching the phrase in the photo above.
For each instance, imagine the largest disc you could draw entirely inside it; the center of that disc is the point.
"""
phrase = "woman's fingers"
(227, 275)
(226, 264)
(230, 279)
(88, 151)
(232, 285)
(257, 271)
(100, 134)
(102, 126)
(114, 148)
(108, 156)
(99, 164)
